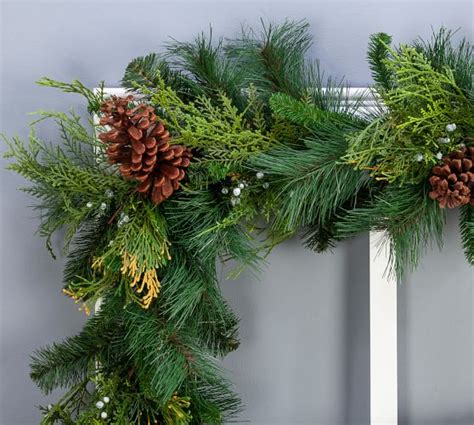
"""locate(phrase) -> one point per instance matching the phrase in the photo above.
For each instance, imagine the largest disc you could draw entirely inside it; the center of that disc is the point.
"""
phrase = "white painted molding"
(383, 335)
(383, 310)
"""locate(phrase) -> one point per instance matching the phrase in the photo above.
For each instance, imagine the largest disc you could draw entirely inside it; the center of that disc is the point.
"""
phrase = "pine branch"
(192, 299)
(273, 60)
(148, 71)
(466, 226)
(85, 244)
(212, 402)
(68, 363)
(307, 114)
(413, 222)
(207, 68)
(68, 181)
(442, 54)
(170, 359)
(94, 99)
(378, 54)
(311, 182)
(207, 227)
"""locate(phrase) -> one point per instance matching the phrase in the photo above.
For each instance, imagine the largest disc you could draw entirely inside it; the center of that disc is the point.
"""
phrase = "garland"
(213, 138)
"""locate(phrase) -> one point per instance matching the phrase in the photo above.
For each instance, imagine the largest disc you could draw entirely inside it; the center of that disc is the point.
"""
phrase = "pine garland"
(275, 143)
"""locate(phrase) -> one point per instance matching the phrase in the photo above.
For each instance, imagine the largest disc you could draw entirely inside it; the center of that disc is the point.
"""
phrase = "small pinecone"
(140, 144)
(453, 182)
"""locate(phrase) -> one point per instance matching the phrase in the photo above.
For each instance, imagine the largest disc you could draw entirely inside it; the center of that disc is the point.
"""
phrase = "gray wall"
(304, 353)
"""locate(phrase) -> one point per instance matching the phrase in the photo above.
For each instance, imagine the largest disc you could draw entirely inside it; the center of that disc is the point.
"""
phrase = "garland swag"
(212, 137)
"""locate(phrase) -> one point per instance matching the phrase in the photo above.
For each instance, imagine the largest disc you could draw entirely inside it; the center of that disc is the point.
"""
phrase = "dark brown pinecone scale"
(453, 182)
(141, 145)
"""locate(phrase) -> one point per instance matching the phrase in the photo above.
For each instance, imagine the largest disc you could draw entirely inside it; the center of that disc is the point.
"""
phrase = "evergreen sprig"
(311, 182)
(378, 54)
(94, 98)
(274, 58)
(412, 220)
(68, 181)
(75, 359)
(208, 69)
(442, 53)
(466, 225)
(402, 145)
(148, 71)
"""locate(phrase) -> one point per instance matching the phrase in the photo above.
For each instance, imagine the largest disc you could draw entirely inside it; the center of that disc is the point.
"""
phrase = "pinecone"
(140, 144)
(453, 182)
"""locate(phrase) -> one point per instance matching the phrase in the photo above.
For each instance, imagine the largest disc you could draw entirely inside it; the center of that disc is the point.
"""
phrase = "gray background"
(304, 353)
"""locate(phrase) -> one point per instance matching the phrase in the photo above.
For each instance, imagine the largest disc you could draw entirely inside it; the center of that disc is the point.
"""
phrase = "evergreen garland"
(272, 139)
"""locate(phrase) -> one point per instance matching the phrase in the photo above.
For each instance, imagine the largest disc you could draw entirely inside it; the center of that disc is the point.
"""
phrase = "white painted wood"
(383, 335)
(383, 310)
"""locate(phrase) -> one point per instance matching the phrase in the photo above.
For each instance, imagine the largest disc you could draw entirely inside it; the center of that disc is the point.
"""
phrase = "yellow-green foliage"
(218, 130)
(402, 145)
(139, 248)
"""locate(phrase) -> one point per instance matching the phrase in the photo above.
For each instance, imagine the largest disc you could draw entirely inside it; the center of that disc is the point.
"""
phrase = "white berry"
(224, 191)
(99, 405)
(106, 399)
(444, 140)
(236, 191)
(103, 206)
(266, 185)
(109, 193)
(241, 185)
(89, 204)
(439, 155)
(419, 157)
(450, 128)
(103, 415)
(259, 175)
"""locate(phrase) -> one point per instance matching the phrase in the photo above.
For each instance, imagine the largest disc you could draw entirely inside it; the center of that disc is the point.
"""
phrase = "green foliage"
(401, 146)
(378, 54)
(205, 224)
(208, 68)
(192, 299)
(412, 221)
(307, 114)
(75, 359)
(213, 401)
(273, 60)
(175, 359)
(223, 133)
(94, 98)
(148, 71)
(219, 132)
(67, 179)
(442, 54)
(466, 225)
(311, 182)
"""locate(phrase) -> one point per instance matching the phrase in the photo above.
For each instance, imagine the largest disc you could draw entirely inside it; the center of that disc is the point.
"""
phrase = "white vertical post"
(383, 336)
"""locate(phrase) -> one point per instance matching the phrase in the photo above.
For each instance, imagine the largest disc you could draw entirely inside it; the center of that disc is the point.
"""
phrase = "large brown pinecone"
(140, 144)
(453, 181)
